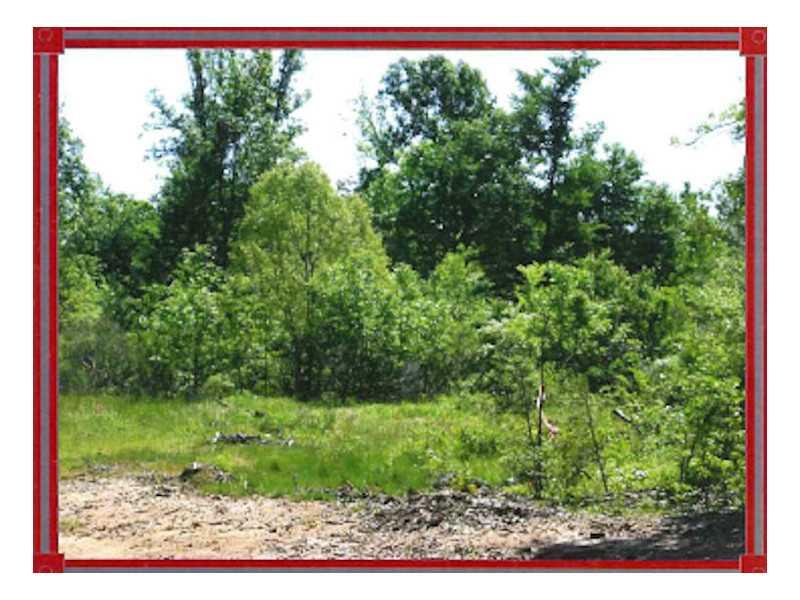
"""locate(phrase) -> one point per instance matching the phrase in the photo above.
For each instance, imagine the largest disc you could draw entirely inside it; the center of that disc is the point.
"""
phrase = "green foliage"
(491, 253)
(442, 317)
(448, 168)
(353, 331)
(217, 386)
(236, 122)
(181, 330)
(295, 229)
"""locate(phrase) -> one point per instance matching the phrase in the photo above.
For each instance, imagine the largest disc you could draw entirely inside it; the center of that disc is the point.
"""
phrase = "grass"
(393, 448)
(376, 447)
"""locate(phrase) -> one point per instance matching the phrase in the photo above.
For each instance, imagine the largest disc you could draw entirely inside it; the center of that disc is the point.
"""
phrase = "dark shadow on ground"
(716, 536)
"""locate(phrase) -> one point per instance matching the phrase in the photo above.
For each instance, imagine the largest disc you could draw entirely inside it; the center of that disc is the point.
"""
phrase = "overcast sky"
(644, 99)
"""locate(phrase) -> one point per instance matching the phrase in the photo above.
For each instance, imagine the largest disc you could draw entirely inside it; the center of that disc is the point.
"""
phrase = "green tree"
(453, 306)
(543, 113)
(181, 325)
(353, 329)
(462, 190)
(119, 232)
(419, 100)
(236, 122)
(448, 168)
(729, 192)
(443, 169)
(577, 320)
(296, 226)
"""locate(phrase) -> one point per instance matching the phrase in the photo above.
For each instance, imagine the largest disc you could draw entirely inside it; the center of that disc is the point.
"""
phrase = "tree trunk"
(598, 456)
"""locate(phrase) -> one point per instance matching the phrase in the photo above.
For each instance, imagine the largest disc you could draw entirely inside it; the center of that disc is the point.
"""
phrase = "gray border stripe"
(394, 36)
(758, 304)
(44, 248)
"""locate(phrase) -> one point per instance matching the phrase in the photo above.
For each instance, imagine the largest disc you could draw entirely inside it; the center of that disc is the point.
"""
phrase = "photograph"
(401, 304)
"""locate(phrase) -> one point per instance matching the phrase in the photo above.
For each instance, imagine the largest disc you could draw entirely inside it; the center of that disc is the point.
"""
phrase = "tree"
(118, 232)
(354, 331)
(569, 320)
(419, 100)
(294, 228)
(448, 315)
(77, 190)
(449, 169)
(728, 193)
(444, 169)
(181, 325)
(236, 122)
(461, 190)
(543, 114)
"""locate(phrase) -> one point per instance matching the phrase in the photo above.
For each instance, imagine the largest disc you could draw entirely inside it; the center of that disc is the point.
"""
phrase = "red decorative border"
(753, 41)
(48, 40)
(749, 563)
(406, 565)
(37, 217)
(48, 563)
(749, 41)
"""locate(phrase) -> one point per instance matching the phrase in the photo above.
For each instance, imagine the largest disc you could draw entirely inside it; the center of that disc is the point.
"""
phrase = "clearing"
(108, 516)
(253, 477)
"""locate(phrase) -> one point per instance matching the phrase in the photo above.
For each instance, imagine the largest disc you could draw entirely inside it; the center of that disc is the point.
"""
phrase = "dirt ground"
(150, 517)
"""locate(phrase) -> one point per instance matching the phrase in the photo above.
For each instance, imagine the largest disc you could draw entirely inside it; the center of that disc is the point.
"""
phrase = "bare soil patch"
(152, 517)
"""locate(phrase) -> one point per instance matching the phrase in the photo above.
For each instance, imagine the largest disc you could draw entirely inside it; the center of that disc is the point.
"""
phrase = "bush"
(217, 387)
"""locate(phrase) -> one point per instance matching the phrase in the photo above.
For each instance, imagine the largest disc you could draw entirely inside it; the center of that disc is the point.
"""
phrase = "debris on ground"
(151, 517)
(245, 438)
(211, 471)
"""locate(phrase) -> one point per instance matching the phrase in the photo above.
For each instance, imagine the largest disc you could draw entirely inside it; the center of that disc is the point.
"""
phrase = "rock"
(191, 470)
(247, 438)
(197, 468)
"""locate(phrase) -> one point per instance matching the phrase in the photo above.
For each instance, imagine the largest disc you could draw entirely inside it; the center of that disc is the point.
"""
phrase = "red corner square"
(752, 41)
(48, 40)
(750, 563)
(48, 563)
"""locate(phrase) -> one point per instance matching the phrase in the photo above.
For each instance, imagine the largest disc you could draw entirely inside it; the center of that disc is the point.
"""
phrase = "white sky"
(644, 99)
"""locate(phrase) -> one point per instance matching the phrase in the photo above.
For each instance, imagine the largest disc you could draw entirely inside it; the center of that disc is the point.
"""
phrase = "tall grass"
(391, 448)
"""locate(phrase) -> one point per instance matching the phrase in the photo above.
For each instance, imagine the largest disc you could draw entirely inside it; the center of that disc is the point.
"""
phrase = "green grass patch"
(378, 447)
(391, 448)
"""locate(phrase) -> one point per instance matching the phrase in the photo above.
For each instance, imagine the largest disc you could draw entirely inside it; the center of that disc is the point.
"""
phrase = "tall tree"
(443, 170)
(296, 227)
(118, 232)
(543, 114)
(236, 122)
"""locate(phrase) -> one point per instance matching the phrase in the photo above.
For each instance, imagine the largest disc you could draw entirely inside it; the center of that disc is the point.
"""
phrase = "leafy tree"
(729, 203)
(94, 350)
(295, 227)
(181, 327)
(119, 232)
(235, 123)
(354, 331)
(452, 310)
(574, 319)
(77, 191)
(420, 100)
(448, 169)
(461, 190)
(250, 338)
(443, 169)
(81, 294)
(543, 114)
(728, 196)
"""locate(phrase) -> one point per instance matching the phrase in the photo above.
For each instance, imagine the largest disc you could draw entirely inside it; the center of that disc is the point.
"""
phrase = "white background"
(16, 300)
